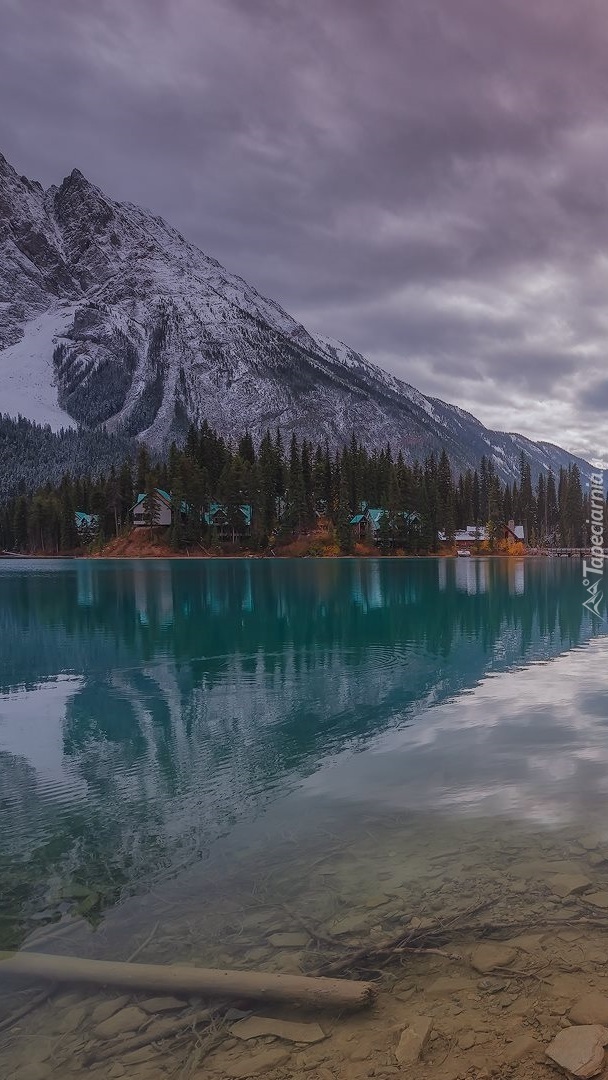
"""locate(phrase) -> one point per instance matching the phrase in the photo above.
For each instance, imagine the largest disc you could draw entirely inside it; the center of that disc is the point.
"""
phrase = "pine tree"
(20, 525)
(127, 497)
(151, 506)
(475, 500)
(552, 509)
(143, 468)
(445, 496)
(343, 527)
(233, 497)
(177, 531)
(384, 532)
(246, 450)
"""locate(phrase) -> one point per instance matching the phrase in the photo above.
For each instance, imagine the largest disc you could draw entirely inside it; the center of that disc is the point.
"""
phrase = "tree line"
(290, 484)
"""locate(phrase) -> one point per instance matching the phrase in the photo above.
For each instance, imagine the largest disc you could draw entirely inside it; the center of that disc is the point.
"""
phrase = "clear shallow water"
(157, 718)
(196, 757)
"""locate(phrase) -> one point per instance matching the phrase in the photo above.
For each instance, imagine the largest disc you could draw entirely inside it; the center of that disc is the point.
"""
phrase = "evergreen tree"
(21, 525)
(233, 496)
(343, 527)
(143, 468)
(246, 450)
(552, 510)
(445, 495)
(384, 533)
(69, 538)
(151, 505)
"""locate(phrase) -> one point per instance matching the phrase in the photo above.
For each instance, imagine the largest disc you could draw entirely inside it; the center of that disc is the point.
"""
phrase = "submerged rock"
(105, 1009)
(592, 1008)
(162, 1005)
(72, 1019)
(413, 1040)
(487, 957)
(580, 1050)
(289, 941)
(598, 899)
(521, 1047)
(35, 1070)
(446, 986)
(349, 924)
(569, 884)
(254, 1027)
(255, 1064)
(129, 1019)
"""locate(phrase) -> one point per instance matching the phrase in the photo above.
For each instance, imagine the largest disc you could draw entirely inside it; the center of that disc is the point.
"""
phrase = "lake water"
(188, 749)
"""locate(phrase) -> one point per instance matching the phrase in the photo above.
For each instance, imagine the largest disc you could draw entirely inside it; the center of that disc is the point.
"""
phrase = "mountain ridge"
(109, 316)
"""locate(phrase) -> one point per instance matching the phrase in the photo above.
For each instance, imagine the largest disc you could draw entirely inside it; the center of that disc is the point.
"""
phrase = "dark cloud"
(593, 395)
(424, 180)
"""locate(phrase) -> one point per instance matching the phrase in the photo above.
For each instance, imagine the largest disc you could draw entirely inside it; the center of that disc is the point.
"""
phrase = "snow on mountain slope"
(155, 334)
(27, 380)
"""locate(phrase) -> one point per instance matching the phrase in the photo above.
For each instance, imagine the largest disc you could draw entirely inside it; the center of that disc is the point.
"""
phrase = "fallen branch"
(181, 980)
(27, 1007)
(364, 956)
(411, 941)
(145, 942)
(423, 952)
(316, 935)
(163, 1029)
(202, 1051)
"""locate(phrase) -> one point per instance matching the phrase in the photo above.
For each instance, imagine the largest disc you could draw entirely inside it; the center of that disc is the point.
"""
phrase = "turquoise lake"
(172, 732)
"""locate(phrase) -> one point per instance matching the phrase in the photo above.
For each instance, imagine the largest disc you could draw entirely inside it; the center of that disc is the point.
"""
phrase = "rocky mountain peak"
(144, 333)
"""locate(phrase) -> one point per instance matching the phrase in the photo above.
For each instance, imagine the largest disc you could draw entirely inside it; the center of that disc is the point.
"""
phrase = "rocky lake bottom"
(508, 947)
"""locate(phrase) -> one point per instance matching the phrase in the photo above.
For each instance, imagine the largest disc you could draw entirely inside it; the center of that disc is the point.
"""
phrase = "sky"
(425, 179)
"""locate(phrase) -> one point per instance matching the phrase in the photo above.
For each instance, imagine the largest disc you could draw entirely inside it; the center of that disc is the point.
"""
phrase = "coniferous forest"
(290, 486)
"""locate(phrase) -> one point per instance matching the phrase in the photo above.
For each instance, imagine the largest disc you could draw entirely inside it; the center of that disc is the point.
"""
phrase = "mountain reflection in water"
(146, 707)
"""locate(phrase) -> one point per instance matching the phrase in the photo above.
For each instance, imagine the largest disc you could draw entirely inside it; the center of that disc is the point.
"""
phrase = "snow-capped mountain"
(109, 316)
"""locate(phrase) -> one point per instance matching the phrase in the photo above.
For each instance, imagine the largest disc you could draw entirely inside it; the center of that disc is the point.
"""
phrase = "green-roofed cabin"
(218, 520)
(87, 525)
(366, 524)
(164, 509)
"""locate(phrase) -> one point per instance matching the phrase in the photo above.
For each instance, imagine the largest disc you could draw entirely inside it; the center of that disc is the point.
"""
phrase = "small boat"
(463, 554)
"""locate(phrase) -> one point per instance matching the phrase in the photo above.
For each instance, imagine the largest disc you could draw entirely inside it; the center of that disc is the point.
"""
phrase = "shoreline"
(99, 556)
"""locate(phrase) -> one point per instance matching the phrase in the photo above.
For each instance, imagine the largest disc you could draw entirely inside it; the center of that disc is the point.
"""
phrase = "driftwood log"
(182, 980)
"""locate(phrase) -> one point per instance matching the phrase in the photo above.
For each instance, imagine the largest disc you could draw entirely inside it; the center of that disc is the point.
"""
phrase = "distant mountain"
(109, 316)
